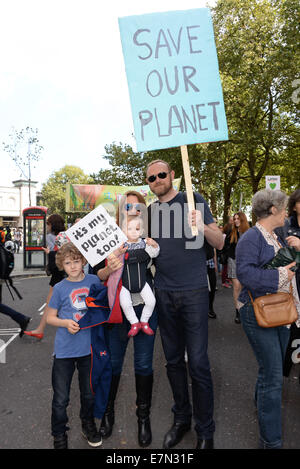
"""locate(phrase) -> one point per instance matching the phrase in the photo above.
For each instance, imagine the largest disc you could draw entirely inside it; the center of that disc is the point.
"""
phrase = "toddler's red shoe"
(135, 328)
(146, 328)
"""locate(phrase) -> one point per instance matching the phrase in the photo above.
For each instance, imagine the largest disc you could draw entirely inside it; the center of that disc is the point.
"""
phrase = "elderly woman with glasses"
(255, 249)
(131, 204)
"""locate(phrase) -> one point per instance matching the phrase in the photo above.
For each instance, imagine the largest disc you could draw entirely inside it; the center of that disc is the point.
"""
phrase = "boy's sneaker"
(60, 441)
(89, 431)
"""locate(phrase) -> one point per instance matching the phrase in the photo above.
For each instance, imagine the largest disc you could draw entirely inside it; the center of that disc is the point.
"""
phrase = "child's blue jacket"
(100, 377)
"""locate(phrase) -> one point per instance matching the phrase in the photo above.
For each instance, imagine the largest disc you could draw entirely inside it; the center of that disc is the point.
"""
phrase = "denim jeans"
(62, 374)
(117, 341)
(183, 325)
(269, 346)
(18, 317)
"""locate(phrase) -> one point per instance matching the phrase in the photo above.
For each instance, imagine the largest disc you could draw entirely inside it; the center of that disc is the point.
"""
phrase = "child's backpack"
(7, 263)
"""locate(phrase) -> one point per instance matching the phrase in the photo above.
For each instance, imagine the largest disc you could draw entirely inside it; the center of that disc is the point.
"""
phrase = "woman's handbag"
(276, 309)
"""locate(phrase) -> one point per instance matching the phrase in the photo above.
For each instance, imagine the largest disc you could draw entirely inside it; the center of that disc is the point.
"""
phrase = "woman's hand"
(121, 250)
(113, 262)
(46, 250)
(290, 272)
(294, 242)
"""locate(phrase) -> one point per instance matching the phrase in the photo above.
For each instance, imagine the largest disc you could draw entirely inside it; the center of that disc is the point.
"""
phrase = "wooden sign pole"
(188, 183)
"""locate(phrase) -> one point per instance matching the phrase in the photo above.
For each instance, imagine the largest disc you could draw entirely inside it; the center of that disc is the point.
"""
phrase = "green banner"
(85, 197)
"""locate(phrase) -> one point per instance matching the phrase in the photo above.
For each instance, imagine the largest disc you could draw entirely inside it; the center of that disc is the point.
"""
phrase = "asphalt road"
(26, 393)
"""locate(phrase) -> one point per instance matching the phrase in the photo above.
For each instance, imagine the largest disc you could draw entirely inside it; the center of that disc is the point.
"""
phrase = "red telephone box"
(34, 223)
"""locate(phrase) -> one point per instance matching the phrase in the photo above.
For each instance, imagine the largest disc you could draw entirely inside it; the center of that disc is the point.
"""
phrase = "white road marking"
(8, 342)
(42, 309)
(9, 331)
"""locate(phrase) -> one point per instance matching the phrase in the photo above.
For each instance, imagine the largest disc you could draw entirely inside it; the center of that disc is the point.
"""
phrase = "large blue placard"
(173, 78)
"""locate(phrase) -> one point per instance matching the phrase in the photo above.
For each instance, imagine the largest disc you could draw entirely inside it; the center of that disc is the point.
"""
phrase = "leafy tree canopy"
(54, 190)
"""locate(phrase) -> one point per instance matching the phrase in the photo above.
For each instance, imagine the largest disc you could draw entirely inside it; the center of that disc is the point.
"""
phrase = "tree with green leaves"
(54, 190)
(259, 61)
(128, 168)
(257, 70)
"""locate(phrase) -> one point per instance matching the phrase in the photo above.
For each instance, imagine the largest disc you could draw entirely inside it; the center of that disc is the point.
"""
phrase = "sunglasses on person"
(129, 207)
(161, 175)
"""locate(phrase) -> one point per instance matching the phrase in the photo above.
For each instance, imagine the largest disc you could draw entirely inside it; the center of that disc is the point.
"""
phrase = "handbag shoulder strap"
(250, 296)
(291, 292)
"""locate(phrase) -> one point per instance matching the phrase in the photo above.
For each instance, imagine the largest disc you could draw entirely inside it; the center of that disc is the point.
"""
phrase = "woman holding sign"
(132, 204)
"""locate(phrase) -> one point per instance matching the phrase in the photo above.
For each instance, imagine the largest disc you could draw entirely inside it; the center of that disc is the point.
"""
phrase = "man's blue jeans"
(183, 325)
(117, 341)
(269, 346)
(62, 374)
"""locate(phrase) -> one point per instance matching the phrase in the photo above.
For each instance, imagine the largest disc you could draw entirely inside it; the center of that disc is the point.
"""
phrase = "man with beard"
(181, 291)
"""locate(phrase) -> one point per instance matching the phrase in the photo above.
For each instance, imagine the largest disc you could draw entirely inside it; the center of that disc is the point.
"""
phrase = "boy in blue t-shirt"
(72, 346)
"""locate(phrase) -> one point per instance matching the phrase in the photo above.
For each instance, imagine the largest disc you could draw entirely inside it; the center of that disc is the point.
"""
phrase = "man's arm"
(214, 235)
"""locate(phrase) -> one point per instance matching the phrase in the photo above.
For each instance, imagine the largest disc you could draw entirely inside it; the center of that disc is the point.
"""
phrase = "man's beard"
(161, 190)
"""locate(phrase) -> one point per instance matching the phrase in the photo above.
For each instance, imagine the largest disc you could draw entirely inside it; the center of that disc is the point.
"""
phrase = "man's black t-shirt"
(181, 264)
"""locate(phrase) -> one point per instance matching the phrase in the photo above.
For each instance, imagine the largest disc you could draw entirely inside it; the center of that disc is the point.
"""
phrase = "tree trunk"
(227, 203)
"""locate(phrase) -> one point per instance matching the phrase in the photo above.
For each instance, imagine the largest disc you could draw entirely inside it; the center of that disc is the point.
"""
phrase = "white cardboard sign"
(96, 236)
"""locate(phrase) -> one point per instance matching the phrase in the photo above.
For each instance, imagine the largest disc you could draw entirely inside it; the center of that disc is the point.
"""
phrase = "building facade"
(14, 199)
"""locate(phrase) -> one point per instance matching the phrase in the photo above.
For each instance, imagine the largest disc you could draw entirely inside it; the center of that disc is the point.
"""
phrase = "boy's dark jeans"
(62, 374)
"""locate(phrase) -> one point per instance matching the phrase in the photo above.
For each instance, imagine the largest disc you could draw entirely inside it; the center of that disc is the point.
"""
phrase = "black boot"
(60, 441)
(144, 386)
(205, 444)
(24, 325)
(108, 418)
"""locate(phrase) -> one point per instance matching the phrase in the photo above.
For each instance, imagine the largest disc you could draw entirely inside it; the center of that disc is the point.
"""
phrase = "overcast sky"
(62, 72)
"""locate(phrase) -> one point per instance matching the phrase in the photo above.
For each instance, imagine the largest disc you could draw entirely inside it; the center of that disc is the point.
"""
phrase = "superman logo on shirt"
(77, 298)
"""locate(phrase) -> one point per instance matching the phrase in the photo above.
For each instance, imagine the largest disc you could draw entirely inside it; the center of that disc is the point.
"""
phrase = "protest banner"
(96, 236)
(173, 79)
(273, 182)
(86, 197)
